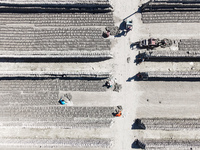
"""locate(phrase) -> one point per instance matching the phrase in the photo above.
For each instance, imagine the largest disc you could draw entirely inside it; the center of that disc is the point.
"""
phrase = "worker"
(62, 102)
(118, 114)
(140, 60)
(128, 29)
(108, 84)
(108, 33)
(139, 75)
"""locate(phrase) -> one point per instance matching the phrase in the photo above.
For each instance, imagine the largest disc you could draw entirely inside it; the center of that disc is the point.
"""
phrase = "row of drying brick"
(57, 19)
(166, 144)
(49, 46)
(176, 1)
(56, 117)
(56, 143)
(56, 113)
(169, 76)
(175, 74)
(57, 55)
(168, 123)
(61, 75)
(67, 124)
(170, 14)
(189, 45)
(31, 32)
(64, 2)
(33, 16)
(25, 39)
(171, 17)
(174, 54)
(30, 98)
(170, 6)
(50, 85)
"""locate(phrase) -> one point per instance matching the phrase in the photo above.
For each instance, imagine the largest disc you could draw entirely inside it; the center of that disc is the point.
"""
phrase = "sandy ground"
(166, 99)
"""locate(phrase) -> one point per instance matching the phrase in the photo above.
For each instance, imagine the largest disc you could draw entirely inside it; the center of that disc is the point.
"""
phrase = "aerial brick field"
(99, 74)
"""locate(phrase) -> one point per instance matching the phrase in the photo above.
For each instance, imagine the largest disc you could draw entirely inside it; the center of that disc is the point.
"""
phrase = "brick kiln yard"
(33, 80)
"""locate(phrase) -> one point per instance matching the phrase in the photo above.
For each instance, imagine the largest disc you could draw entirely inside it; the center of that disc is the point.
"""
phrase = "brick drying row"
(37, 85)
(167, 54)
(57, 19)
(56, 117)
(13, 97)
(166, 11)
(189, 45)
(83, 123)
(166, 144)
(56, 143)
(168, 6)
(168, 123)
(175, 74)
(53, 113)
(34, 39)
(55, 42)
(171, 17)
(169, 76)
(64, 2)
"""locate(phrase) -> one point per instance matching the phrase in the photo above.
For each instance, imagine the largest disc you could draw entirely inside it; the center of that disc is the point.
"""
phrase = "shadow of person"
(131, 78)
(138, 145)
(122, 33)
(134, 145)
(122, 26)
(134, 45)
(138, 125)
(138, 11)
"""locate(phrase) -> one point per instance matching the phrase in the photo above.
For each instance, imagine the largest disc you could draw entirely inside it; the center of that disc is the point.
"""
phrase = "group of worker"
(118, 110)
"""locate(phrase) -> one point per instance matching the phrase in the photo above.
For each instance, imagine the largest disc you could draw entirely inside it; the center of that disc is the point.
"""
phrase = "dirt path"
(123, 70)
